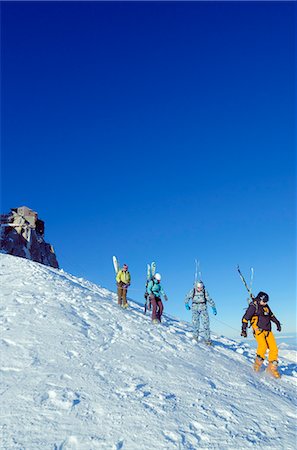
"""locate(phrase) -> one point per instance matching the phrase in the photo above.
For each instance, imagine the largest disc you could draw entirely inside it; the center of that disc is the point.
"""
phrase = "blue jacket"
(154, 288)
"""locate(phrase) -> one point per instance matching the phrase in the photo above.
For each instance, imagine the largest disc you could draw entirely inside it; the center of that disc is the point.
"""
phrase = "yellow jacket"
(123, 277)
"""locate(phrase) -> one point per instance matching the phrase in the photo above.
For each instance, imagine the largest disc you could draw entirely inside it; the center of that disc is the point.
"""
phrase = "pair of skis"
(248, 288)
(151, 270)
(116, 264)
(197, 272)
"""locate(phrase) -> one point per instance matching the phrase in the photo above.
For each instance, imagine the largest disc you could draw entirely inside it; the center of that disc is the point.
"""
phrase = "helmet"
(262, 296)
(157, 277)
(200, 285)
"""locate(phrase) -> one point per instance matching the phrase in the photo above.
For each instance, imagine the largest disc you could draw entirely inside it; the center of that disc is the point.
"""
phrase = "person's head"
(157, 277)
(125, 267)
(262, 298)
(199, 286)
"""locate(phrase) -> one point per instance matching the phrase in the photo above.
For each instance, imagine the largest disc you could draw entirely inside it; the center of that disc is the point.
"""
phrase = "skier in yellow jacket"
(123, 279)
(260, 316)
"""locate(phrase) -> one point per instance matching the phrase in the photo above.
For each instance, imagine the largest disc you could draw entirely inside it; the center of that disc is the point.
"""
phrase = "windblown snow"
(78, 372)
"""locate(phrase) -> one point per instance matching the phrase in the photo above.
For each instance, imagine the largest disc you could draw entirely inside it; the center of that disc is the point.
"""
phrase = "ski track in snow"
(79, 373)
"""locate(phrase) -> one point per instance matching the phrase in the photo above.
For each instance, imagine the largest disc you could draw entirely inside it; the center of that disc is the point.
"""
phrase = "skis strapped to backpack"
(249, 289)
(151, 270)
(197, 272)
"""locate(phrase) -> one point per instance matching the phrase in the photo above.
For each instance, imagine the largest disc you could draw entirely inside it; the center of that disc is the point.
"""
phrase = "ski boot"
(272, 369)
(156, 322)
(258, 363)
(125, 305)
(209, 343)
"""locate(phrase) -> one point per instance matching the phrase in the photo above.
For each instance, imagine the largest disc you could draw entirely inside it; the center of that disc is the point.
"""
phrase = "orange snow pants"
(266, 341)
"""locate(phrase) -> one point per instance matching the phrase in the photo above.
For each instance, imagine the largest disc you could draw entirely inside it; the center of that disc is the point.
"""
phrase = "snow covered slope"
(78, 372)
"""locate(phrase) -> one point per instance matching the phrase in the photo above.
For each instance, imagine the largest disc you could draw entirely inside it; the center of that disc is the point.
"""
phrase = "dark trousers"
(157, 307)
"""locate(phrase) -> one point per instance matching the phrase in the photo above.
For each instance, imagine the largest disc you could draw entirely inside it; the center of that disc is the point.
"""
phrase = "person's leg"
(124, 298)
(273, 355)
(273, 350)
(120, 293)
(160, 309)
(205, 324)
(262, 344)
(195, 321)
(154, 307)
(258, 363)
(261, 350)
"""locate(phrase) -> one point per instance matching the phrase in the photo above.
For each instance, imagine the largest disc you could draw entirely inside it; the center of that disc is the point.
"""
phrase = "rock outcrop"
(22, 234)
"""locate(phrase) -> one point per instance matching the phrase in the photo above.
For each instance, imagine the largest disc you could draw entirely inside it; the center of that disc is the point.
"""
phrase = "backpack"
(194, 293)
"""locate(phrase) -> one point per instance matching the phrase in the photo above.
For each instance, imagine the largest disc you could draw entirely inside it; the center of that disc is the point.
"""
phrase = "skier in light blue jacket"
(155, 291)
(200, 297)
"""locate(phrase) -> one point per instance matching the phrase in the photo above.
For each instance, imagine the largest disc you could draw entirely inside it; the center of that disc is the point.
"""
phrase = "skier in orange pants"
(260, 316)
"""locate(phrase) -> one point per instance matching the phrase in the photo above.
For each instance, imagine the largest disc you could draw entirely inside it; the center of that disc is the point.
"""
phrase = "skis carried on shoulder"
(151, 270)
(148, 272)
(115, 264)
(148, 277)
(249, 289)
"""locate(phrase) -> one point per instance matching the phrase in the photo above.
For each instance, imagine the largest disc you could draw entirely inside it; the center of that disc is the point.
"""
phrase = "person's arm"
(189, 296)
(118, 277)
(274, 319)
(211, 302)
(162, 292)
(149, 287)
(246, 317)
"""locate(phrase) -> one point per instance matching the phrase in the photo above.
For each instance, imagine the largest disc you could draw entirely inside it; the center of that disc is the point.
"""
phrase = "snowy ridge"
(78, 372)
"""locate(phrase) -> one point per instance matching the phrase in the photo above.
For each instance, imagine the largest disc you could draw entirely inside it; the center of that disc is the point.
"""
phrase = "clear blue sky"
(157, 131)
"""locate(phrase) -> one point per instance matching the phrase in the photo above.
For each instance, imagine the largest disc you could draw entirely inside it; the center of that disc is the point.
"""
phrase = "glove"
(243, 333)
(165, 297)
(278, 327)
(214, 310)
(187, 307)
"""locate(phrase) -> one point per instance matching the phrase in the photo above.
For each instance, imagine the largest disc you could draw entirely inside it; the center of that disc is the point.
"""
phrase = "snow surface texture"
(78, 372)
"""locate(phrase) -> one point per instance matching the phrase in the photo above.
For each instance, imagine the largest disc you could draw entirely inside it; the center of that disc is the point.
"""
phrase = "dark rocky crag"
(22, 234)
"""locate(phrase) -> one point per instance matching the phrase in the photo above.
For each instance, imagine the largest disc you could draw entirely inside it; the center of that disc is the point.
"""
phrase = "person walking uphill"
(260, 316)
(155, 291)
(123, 279)
(200, 297)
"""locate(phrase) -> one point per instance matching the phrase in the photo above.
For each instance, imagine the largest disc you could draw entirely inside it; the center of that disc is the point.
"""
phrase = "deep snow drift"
(78, 372)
